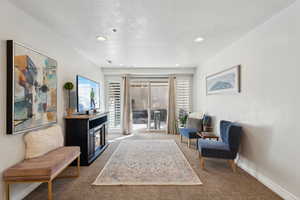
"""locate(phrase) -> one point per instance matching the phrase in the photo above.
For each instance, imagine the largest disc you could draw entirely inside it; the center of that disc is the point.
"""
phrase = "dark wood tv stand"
(89, 132)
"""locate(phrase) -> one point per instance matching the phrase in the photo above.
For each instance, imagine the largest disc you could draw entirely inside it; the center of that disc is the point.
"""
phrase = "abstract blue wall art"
(227, 81)
(31, 89)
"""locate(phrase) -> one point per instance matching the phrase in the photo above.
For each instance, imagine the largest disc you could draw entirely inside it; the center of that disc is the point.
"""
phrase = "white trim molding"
(268, 182)
(148, 70)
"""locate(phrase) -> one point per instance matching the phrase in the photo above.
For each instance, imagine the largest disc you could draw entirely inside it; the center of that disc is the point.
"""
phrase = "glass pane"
(159, 105)
(139, 102)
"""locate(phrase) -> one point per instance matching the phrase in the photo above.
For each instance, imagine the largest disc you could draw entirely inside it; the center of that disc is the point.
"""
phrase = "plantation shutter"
(183, 95)
(114, 104)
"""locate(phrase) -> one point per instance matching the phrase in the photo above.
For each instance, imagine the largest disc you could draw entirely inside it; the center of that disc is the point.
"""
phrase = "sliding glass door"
(149, 100)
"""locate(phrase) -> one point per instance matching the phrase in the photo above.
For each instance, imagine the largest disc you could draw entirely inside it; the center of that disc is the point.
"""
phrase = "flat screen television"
(88, 94)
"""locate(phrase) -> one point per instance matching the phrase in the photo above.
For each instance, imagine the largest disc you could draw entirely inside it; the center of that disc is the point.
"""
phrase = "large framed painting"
(31, 89)
(227, 81)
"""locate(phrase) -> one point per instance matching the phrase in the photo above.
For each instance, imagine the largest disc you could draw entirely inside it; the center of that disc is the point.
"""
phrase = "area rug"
(147, 162)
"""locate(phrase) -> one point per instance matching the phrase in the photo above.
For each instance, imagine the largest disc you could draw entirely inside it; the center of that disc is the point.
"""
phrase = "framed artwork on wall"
(31, 89)
(227, 81)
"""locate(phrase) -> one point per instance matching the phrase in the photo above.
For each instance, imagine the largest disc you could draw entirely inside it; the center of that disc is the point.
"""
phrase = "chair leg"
(7, 191)
(232, 165)
(78, 166)
(202, 163)
(50, 190)
(189, 142)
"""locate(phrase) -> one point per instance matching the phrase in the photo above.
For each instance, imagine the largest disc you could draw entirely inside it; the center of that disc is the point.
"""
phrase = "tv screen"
(88, 94)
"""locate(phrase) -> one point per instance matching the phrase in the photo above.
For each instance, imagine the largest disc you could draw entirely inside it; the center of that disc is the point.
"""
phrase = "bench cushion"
(45, 167)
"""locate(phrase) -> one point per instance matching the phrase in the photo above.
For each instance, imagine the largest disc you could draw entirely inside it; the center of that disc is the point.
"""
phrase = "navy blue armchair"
(226, 149)
(193, 127)
(190, 133)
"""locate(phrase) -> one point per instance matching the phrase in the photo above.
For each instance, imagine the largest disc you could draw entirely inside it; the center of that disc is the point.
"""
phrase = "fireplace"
(97, 138)
(88, 132)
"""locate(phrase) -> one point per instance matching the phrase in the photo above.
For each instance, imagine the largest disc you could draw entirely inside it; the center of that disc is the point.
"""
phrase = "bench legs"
(77, 171)
(7, 186)
(72, 176)
(50, 196)
(50, 190)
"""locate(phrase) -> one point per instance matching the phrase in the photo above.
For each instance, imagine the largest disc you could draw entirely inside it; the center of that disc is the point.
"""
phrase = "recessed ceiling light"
(121, 64)
(177, 65)
(199, 39)
(101, 38)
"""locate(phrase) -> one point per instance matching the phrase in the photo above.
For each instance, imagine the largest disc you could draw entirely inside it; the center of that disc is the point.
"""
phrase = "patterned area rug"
(147, 162)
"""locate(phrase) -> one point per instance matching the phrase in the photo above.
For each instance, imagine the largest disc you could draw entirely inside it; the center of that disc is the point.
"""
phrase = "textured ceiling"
(151, 33)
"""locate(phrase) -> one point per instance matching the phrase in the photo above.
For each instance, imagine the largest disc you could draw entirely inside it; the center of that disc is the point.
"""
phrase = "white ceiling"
(151, 33)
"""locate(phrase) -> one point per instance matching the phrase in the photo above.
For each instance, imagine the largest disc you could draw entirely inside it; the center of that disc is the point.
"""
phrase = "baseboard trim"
(22, 194)
(268, 182)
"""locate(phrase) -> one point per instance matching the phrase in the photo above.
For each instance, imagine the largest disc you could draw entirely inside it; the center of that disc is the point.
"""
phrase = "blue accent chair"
(194, 126)
(226, 149)
(190, 133)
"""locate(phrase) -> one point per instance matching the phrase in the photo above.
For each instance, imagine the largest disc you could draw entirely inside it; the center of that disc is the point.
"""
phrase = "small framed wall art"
(227, 81)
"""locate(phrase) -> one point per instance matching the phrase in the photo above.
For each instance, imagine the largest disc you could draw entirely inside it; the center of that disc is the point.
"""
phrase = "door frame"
(148, 81)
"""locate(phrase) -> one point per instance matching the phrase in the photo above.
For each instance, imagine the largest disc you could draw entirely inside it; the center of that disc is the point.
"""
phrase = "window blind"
(114, 104)
(183, 95)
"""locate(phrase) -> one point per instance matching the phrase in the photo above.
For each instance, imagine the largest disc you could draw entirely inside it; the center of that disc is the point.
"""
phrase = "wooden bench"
(43, 169)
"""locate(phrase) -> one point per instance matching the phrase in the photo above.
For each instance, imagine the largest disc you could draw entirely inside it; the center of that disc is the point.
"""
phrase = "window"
(114, 104)
(183, 95)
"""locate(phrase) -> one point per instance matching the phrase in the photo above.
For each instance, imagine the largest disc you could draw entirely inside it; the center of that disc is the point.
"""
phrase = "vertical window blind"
(114, 104)
(183, 95)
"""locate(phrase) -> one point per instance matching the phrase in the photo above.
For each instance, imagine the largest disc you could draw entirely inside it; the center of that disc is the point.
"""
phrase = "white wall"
(14, 24)
(269, 105)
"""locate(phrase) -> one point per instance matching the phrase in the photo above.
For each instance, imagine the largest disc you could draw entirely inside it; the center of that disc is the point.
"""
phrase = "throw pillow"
(42, 141)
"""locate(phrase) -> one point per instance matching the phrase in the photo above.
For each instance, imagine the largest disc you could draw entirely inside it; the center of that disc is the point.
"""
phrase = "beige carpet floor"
(219, 182)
